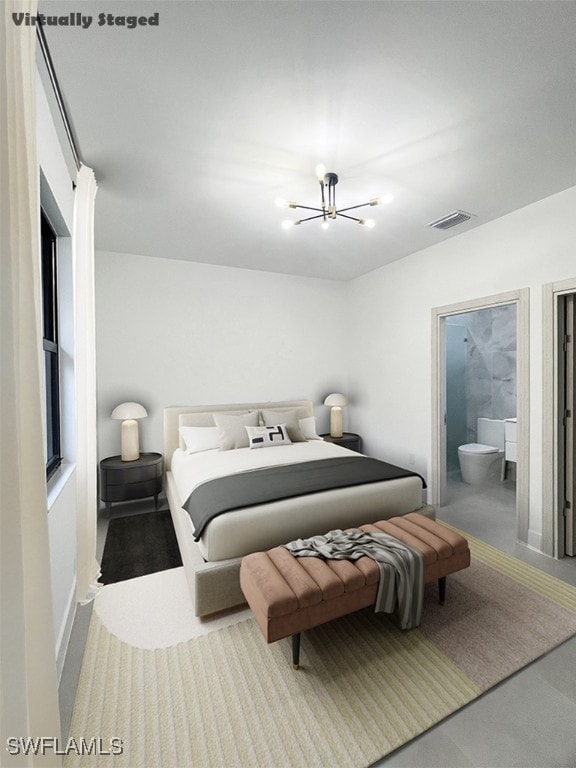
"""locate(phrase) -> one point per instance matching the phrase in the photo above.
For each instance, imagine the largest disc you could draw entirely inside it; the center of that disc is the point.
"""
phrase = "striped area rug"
(227, 700)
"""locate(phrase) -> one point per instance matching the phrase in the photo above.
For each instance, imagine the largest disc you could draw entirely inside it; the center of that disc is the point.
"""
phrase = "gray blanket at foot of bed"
(259, 486)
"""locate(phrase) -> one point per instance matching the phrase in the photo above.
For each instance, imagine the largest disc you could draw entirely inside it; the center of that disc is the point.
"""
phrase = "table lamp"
(337, 402)
(128, 413)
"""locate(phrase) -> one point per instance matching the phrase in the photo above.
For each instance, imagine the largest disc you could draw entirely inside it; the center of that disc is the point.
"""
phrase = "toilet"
(482, 461)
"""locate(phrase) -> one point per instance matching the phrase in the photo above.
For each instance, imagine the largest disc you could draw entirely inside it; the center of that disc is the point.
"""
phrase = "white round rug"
(157, 611)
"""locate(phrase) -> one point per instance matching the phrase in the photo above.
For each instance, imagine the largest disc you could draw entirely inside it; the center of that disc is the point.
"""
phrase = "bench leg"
(296, 651)
(442, 590)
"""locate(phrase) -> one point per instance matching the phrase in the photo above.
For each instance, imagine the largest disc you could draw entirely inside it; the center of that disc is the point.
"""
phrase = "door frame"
(552, 495)
(438, 464)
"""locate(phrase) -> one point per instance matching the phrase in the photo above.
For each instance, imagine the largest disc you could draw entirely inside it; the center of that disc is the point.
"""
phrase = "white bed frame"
(215, 586)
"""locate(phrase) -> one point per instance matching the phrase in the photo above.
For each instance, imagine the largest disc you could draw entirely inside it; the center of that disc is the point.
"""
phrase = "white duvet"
(251, 529)
(192, 469)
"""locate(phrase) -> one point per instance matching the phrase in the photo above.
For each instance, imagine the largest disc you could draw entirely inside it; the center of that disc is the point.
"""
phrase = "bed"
(212, 550)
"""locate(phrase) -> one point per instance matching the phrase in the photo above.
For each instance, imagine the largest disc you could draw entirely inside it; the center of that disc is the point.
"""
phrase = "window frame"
(50, 344)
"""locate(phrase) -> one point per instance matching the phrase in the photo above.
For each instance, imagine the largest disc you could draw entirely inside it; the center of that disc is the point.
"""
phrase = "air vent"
(452, 220)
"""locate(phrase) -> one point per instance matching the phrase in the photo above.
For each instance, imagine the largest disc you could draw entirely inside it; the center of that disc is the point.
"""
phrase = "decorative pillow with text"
(266, 437)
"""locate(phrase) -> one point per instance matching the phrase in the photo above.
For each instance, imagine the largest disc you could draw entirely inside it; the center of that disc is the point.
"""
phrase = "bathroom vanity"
(510, 443)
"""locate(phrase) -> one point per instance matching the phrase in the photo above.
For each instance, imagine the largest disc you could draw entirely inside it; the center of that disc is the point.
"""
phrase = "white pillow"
(197, 439)
(308, 428)
(231, 429)
(266, 437)
(199, 419)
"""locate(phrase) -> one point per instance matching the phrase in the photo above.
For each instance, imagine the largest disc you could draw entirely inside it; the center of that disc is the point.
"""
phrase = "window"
(50, 345)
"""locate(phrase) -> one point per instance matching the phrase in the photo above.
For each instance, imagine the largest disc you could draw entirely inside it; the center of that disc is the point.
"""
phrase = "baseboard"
(65, 631)
(534, 540)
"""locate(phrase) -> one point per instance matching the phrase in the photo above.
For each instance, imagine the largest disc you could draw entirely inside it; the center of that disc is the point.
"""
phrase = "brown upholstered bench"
(290, 594)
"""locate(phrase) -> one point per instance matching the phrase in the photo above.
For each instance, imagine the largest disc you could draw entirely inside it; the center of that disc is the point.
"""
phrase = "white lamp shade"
(129, 411)
(335, 399)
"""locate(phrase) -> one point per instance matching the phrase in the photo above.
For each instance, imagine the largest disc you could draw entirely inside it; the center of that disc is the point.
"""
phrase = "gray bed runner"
(259, 486)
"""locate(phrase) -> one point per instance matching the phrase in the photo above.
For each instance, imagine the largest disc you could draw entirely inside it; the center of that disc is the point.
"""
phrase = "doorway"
(460, 368)
(559, 430)
(566, 431)
(480, 416)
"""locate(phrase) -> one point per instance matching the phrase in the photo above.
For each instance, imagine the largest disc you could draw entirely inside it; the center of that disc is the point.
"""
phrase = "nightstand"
(348, 440)
(128, 480)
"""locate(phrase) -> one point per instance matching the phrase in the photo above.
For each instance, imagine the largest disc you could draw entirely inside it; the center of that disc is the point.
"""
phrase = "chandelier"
(329, 211)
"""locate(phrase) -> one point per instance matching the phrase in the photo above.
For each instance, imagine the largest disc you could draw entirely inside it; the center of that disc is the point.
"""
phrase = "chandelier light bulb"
(370, 223)
(281, 203)
(325, 225)
(320, 171)
(287, 224)
(383, 200)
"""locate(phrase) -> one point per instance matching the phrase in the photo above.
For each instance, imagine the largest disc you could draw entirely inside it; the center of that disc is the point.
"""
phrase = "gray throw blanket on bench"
(401, 567)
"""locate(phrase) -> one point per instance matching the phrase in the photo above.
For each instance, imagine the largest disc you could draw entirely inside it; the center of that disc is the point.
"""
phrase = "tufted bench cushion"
(290, 594)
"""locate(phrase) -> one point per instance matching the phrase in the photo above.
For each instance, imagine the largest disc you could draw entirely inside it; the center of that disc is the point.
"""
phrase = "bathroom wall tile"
(479, 405)
(491, 366)
(490, 377)
(480, 402)
(504, 401)
(480, 322)
(504, 367)
(504, 383)
(478, 366)
(504, 328)
(480, 327)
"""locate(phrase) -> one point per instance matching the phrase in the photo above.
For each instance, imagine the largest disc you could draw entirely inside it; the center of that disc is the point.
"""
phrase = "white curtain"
(87, 567)
(28, 682)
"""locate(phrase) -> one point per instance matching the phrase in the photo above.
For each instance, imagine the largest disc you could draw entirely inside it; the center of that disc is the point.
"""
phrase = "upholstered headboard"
(203, 418)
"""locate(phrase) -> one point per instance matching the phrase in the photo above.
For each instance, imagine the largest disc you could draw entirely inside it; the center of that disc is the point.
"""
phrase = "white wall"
(390, 346)
(57, 198)
(176, 333)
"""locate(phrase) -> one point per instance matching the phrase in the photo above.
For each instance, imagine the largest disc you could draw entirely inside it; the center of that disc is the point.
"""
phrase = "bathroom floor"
(487, 511)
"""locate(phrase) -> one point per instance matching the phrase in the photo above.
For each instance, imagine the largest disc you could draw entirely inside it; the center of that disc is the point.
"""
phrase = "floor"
(73, 662)
(528, 721)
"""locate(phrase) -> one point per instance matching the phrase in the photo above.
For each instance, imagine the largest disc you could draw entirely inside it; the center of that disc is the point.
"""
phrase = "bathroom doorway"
(480, 414)
(559, 409)
(481, 409)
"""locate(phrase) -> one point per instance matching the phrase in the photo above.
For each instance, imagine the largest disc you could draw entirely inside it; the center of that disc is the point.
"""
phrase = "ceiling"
(195, 126)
